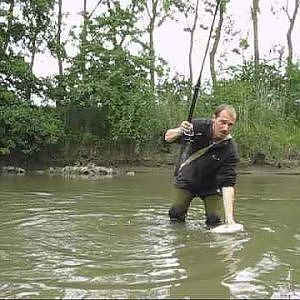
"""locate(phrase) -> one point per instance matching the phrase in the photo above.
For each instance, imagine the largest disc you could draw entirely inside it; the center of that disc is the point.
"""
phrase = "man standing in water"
(209, 172)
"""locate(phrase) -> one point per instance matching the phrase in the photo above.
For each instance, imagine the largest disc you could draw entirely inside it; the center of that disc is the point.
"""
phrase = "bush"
(28, 129)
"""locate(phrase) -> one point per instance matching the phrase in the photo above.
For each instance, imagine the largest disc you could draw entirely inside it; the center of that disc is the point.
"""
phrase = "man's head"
(224, 118)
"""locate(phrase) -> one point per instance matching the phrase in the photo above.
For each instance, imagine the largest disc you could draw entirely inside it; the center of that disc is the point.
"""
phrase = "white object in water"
(228, 228)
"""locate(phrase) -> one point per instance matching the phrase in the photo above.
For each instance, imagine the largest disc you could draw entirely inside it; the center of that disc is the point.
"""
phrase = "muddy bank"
(114, 165)
(93, 171)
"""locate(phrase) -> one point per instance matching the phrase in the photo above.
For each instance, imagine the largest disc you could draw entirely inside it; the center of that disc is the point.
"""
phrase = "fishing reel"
(189, 135)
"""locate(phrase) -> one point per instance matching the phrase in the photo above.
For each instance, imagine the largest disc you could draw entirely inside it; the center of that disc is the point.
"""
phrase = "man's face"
(222, 124)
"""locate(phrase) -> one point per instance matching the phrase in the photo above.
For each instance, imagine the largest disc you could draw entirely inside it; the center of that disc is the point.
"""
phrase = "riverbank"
(93, 171)
(115, 164)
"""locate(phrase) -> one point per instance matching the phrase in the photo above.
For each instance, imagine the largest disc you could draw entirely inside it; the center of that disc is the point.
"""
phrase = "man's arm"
(227, 180)
(228, 203)
(174, 133)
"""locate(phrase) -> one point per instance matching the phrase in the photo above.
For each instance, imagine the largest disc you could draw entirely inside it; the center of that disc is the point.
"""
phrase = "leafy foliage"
(16, 76)
(28, 129)
(106, 95)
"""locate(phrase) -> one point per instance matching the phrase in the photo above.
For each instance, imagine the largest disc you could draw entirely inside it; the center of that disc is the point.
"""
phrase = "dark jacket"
(207, 174)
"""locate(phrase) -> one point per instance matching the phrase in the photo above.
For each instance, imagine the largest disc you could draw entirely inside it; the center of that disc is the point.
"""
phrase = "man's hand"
(174, 133)
(186, 127)
(230, 225)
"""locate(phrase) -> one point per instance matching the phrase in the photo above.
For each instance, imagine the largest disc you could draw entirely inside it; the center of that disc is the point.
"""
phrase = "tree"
(292, 20)
(37, 15)
(216, 42)
(156, 12)
(57, 49)
(187, 10)
(27, 129)
(6, 34)
(254, 13)
(20, 42)
(115, 81)
(192, 33)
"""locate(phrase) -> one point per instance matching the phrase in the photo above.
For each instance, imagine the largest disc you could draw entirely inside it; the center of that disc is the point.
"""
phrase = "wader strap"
(200, 152)
(195, 155)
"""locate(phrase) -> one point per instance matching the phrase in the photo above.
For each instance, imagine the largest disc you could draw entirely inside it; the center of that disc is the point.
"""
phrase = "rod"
(198, 84)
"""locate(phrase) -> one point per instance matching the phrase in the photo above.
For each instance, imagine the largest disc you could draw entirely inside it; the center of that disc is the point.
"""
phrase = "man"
(208, 173)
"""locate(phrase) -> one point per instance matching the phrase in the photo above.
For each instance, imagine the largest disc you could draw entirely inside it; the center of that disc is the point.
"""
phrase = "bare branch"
(92, 12)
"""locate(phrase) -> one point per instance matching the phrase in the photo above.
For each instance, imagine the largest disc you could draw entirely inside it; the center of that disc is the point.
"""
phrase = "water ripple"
(112, 239)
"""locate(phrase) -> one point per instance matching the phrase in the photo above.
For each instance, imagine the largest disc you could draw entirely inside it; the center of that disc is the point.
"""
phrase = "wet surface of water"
(111, 238)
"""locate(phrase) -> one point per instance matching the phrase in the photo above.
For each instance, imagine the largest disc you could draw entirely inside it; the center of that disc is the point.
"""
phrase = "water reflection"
(246, 284)
(229, 245)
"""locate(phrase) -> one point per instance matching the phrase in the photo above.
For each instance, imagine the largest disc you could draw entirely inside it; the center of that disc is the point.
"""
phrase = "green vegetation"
(105, 101)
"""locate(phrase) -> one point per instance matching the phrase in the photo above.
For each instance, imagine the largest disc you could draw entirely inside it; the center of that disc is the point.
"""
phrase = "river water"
(111, 238)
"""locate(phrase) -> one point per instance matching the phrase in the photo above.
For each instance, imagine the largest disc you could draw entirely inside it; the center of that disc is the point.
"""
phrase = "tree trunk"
(192, 33)
(33, 53)
(10, 18)
(33, 50)
(59, 55)
(58, 40)
(215, 45)
(151, 41)
(254, 13)
(83, 37)
(289, 33)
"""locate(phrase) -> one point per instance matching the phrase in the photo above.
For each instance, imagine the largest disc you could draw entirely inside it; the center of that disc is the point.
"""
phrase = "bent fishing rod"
(187, 137)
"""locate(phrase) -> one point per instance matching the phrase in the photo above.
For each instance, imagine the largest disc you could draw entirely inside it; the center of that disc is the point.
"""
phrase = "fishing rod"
(198, 84)
(188, 137)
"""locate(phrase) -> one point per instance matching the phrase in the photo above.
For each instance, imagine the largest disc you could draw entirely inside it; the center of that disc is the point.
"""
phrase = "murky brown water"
(111, 238)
